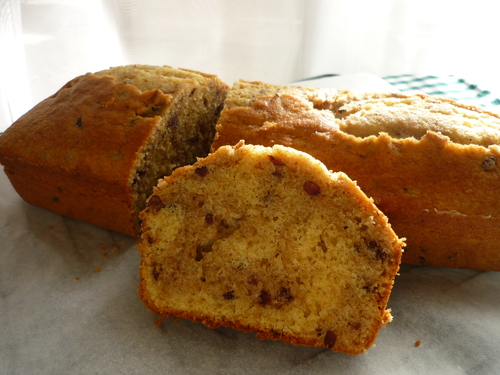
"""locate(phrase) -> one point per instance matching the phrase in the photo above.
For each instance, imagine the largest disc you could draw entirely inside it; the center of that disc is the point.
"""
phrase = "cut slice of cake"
(430, 164)
(267, 240)
(95, 149)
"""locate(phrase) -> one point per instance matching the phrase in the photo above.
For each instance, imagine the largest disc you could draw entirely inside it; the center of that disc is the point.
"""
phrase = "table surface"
(69, 304)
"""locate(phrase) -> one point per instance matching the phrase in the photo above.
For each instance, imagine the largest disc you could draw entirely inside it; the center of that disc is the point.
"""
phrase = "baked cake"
(95, 149)
(430, 164)
(267, 240)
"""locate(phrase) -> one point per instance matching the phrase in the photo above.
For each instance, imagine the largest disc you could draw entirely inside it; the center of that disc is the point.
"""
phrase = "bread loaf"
(95, 149)
(430, 164)
(267, 240)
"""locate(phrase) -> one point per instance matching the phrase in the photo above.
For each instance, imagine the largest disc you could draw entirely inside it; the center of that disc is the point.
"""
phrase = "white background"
(45, 43)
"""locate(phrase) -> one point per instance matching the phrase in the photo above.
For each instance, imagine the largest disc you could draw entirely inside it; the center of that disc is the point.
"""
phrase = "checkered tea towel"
(450, 87)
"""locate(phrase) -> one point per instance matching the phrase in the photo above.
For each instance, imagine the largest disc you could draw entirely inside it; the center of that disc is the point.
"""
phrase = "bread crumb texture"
(268, 240)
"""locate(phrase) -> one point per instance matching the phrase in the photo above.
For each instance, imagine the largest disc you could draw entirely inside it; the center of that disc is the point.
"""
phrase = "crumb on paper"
(417, 343)
(77, 278)
(159, 321)
(98, 269)
(102, 248)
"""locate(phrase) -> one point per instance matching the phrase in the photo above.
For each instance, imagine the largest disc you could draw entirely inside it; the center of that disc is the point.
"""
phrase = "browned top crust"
(70, 131)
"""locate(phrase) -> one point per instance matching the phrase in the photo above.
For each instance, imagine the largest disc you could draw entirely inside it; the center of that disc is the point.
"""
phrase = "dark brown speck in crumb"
(201, 171)
(229, 295)
(355, 326)
(202, 249)
(330, 338)
(379, 252)
(155, 272)
(311, 188)
(264, 298)
(155, 204)
(209, 219)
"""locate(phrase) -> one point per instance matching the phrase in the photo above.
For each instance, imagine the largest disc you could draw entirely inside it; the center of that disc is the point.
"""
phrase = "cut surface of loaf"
(267, 240)
(430, 164)
(95, 149)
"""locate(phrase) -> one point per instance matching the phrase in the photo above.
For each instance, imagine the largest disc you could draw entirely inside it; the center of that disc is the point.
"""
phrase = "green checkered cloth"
(450, 87)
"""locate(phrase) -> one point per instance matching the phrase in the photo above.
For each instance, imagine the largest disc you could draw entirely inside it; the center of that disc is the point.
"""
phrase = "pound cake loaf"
(430, 164)
(95, 149)
(267, 240)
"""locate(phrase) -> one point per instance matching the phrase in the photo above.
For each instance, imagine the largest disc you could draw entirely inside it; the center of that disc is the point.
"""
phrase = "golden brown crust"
(245, 238)
(437, 193)
(74, 157)
(78, 152)
(77, 117)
